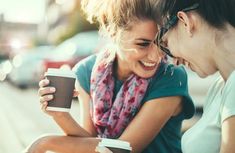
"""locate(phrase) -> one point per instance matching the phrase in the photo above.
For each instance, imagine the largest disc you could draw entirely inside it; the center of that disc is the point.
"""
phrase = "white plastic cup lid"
(114, 143)
(60, 72)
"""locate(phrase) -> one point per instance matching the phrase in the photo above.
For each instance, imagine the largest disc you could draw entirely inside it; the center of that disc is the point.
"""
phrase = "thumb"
(75, 93)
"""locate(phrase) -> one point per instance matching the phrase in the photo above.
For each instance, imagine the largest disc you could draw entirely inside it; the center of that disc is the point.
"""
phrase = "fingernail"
(52, 89)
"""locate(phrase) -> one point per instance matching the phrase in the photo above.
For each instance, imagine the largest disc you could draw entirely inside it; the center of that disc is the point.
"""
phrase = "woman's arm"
(154, 114)
(228, 135)
(63, 144)
(70, 126)
(84, 110)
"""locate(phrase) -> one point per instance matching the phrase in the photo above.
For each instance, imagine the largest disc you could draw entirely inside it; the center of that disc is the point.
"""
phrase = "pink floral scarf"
(110, 118)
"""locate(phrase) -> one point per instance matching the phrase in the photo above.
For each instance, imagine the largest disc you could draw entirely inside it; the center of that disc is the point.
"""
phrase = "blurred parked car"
(25, 66)
(72, 50)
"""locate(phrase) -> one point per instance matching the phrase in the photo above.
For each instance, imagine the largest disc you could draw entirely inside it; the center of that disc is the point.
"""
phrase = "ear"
(187, 21)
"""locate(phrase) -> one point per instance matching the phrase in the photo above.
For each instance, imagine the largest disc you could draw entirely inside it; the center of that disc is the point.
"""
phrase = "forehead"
(142, 29)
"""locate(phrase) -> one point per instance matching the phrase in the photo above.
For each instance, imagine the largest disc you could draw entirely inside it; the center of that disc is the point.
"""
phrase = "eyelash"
(146, 44)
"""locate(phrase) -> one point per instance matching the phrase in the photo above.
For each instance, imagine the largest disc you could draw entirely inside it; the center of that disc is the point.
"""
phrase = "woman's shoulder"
(169, 80)
(230, 83)
(87, 63)
(176, 70)
(228, 96)
(83, 71)
(169, 73)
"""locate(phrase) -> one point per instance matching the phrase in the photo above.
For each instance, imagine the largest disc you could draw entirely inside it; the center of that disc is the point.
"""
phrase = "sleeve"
(83, 72)
(228, 99)
(172, 81)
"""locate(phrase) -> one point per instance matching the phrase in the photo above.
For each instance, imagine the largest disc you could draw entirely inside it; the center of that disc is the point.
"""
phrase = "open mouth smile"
(148, 65)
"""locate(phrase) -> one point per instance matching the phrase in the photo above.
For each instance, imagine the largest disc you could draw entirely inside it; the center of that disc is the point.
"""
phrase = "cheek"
(178, 46)
(131, 56)
(132, 59)
(173, 46)
(176, 42)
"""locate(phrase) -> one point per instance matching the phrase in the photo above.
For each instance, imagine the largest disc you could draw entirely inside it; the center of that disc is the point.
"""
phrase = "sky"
(30, 11)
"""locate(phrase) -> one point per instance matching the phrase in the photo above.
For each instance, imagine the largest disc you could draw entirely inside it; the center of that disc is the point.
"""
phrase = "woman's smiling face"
(137, 52)
(191, 48)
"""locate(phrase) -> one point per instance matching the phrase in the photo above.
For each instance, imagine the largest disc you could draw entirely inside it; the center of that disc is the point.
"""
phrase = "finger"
(180, 61)
(175, 61)
(186, 64)
(46, 90)
(43, 83)
(75, 93)
(45, 98)
(44, 106)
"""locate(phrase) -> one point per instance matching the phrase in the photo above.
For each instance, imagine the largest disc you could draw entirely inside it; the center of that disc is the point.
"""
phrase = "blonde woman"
(127, 92)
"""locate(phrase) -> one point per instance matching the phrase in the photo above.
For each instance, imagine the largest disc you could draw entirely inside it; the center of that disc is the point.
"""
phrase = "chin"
(145, 75)
(201, 74)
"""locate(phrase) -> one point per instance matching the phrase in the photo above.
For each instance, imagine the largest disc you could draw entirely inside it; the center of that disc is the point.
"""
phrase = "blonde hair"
(116, 15)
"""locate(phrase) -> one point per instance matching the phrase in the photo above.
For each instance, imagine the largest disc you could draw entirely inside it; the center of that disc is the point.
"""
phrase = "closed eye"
(144, 44)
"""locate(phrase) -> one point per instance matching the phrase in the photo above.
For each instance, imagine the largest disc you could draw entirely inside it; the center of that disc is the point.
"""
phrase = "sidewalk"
(21, 120)
(8, 136)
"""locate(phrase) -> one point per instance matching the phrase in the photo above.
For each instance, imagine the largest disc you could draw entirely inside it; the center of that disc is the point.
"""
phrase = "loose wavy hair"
(115, 15)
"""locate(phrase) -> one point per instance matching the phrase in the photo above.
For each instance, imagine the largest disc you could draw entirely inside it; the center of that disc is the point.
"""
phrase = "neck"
(225, 52)
(121, 69)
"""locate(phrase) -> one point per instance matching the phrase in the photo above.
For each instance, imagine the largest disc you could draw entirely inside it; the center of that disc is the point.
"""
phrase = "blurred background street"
(36, 35)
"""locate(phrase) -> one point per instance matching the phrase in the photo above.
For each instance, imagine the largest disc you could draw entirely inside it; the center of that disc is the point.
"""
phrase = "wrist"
(60, 115)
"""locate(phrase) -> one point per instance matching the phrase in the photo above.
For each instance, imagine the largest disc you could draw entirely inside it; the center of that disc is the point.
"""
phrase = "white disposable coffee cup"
(115, 145)
(63, 81)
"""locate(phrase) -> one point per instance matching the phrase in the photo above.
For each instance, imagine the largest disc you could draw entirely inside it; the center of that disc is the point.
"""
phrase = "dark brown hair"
(215, 12)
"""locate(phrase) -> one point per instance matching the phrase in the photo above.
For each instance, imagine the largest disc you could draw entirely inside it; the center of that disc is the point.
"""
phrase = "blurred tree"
(68, 23)
(77, 23)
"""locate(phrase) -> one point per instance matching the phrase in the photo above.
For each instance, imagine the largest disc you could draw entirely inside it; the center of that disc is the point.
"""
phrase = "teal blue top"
(169, 80)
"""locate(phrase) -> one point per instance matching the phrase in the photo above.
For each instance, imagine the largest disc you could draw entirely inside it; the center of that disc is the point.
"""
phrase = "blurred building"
(63, 19)
(14, 36)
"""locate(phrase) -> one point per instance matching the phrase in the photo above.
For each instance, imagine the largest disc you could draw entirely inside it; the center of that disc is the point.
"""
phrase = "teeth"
(148, 64)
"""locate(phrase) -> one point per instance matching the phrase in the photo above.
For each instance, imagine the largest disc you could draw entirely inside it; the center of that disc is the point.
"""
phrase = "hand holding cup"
(56, 91)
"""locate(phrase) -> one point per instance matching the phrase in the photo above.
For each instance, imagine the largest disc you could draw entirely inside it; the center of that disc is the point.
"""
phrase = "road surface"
(21, 120)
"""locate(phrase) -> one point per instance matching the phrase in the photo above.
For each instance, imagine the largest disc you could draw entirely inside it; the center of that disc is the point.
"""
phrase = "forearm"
(70, 126)
(64, 144)
(68, 144)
